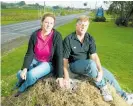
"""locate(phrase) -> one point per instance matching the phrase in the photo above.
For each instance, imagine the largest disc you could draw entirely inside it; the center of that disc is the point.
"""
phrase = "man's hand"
(23, 74)
(67, 83)
(60, 81)
(99, 77)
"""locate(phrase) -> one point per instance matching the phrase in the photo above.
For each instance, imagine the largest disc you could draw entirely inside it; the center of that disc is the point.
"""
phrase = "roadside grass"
(114, 46)
(92, 14)
(10, 64)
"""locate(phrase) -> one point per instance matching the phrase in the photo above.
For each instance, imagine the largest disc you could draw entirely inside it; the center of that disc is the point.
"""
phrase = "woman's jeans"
(89, 68)
(37, 70)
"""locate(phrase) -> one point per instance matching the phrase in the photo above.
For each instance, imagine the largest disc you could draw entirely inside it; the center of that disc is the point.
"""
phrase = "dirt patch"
(46, 93)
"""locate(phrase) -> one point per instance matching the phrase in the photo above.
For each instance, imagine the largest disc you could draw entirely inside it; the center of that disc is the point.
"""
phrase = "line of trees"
(20, 4)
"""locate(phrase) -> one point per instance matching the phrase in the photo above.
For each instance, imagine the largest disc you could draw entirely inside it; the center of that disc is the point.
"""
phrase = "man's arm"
(66, 54)
(66, 74)
(95, 58)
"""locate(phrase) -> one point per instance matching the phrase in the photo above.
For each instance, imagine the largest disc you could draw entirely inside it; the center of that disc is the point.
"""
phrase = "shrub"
(99, 19)
(121, 21)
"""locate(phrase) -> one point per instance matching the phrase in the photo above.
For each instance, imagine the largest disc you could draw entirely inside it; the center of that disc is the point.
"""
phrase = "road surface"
(13, 31)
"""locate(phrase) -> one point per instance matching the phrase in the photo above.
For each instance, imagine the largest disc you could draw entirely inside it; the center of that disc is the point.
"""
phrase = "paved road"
(13, 31)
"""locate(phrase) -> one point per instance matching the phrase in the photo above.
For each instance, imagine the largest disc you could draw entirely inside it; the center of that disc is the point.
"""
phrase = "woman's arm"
(29, 54)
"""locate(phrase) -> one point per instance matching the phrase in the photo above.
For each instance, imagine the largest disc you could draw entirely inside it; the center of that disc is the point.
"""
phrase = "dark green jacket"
(57, 53)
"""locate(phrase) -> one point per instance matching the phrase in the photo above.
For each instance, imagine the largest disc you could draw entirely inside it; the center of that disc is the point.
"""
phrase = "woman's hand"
(67, 83)
(23, 74)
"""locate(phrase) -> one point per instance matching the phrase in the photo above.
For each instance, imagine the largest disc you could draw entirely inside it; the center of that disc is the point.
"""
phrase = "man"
(79, 52)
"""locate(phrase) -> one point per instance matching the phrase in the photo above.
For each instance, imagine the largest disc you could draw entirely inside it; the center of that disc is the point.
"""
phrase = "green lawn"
(114, 46)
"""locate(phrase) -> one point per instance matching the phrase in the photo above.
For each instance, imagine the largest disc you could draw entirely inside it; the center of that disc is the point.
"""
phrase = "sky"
(72, 3)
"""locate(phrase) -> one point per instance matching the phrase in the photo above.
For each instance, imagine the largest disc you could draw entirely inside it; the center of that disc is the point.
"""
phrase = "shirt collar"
(74, 36)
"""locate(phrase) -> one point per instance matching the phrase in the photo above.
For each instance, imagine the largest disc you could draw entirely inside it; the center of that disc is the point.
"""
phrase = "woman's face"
(48, 24)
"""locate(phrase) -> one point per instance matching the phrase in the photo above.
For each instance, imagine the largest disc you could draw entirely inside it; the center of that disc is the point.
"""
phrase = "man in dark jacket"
(79, 51)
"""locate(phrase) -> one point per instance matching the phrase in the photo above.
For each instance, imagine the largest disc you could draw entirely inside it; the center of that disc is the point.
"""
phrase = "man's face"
(48, 24)
(82, 26)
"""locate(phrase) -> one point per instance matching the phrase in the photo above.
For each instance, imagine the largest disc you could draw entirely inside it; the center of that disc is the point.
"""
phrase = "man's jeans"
(37, 70)
(89, 68)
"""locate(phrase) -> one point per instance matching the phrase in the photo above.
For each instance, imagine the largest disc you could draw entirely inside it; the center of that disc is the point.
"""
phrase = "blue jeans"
(89, 68)
(37, 70)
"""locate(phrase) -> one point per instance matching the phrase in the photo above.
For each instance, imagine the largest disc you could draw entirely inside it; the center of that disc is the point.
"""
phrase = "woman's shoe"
(17, 94)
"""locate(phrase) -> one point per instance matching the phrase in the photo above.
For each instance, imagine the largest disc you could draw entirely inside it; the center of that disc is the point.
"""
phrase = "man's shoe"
(17, 94)
(129, 99)
(106, 94)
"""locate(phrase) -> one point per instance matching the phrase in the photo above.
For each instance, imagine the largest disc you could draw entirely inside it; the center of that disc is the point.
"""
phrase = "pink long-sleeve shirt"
(43, 48)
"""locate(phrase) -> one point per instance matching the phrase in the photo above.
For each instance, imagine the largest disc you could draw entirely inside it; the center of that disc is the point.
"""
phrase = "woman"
(44, 55)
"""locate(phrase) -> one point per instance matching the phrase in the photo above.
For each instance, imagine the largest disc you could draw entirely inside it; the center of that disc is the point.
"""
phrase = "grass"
(10, 64)
(114, 46)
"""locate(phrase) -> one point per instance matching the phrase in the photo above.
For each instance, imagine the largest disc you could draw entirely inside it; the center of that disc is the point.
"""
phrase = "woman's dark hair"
(48, 15)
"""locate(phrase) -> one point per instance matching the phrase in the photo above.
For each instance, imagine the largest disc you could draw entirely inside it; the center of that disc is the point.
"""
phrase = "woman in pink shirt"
(44, 55)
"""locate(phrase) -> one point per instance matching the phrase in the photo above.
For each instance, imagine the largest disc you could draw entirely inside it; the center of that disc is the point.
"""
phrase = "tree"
(3, 5)
(121, 10)
(21, 3)
(85, 4)
(37, 5)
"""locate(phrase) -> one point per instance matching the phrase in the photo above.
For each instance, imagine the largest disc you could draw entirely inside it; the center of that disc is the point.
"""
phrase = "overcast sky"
(71, 3)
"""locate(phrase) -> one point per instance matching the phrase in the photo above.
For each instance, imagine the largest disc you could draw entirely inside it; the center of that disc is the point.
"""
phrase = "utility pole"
(96, 4)
(95, 8)
(44, 6)
(38, 12)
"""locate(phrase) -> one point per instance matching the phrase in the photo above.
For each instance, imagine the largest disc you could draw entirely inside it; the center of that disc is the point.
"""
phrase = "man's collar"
(74, 36)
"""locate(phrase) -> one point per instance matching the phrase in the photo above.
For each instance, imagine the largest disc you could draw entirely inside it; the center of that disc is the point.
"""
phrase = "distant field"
(9, 16)
(114, 46)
